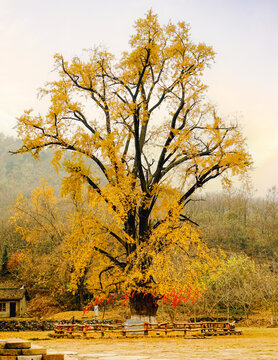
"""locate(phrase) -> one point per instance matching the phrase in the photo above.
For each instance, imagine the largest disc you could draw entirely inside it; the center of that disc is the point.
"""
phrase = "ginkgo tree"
(141, 140)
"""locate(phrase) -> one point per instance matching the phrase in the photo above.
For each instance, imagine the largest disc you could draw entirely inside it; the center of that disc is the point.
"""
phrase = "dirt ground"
(254, 344)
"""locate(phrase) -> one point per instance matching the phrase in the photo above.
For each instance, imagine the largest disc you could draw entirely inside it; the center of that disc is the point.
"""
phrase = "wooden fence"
(198, 329)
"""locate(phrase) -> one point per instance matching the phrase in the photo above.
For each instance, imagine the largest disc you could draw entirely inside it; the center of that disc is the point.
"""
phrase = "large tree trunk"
(143, 306)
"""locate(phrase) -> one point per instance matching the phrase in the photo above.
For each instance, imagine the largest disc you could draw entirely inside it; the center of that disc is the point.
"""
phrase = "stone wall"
(34, 325)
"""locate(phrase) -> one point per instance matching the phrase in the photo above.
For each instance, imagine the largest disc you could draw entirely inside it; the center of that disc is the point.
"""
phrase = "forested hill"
(21, 173)
(236, 221)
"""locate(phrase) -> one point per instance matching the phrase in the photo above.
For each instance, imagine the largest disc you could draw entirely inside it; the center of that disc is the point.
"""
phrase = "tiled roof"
(12, 294)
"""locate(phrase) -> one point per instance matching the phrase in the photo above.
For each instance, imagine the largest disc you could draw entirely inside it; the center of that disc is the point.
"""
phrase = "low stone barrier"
(39, 325)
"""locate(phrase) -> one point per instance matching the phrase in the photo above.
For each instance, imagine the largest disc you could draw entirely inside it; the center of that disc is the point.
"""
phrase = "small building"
(13, 302)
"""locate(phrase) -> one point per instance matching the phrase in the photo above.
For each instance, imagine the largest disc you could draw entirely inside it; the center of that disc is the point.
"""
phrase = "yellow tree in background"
(42, 229)
(48, 258)
(142, 140)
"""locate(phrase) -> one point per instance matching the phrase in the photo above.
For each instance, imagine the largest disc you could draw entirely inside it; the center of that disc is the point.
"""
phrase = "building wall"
(20, 307)
(4, 304)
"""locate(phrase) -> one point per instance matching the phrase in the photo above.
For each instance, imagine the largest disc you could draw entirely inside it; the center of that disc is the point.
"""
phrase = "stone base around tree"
(144, 318)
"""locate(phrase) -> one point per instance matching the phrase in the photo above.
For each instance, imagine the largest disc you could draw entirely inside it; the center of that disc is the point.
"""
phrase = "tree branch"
(122, 265)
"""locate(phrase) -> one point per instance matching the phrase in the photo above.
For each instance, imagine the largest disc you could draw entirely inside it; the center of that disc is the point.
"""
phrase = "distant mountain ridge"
(21, 173)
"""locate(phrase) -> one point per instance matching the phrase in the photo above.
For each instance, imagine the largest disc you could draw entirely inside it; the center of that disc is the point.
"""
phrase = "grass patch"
(25, 335)
(257, 332)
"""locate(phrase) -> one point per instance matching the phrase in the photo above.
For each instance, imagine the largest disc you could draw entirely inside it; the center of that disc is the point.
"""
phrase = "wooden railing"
(201, 329)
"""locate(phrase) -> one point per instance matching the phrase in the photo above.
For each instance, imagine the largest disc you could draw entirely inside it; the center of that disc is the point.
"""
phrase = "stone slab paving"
(108, 356)
(29, 357)
(97, 354)
(18, 349)
(248, 347)
(10, 352)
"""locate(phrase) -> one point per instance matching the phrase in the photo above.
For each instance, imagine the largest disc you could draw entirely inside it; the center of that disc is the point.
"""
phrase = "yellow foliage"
(132, 171)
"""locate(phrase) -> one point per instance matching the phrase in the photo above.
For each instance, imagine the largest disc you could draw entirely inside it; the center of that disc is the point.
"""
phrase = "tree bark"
(143, 306)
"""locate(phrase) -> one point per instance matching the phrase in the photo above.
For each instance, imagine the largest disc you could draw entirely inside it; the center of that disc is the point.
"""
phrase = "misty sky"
(243, 82)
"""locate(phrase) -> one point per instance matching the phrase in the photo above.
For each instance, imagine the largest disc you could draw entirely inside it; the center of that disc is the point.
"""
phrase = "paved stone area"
(222, 348)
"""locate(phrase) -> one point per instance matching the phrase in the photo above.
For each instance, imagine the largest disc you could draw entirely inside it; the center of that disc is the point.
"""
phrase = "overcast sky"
(243, 82)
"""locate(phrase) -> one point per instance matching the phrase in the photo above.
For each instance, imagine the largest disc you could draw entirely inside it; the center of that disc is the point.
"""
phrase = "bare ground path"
(255, 344)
